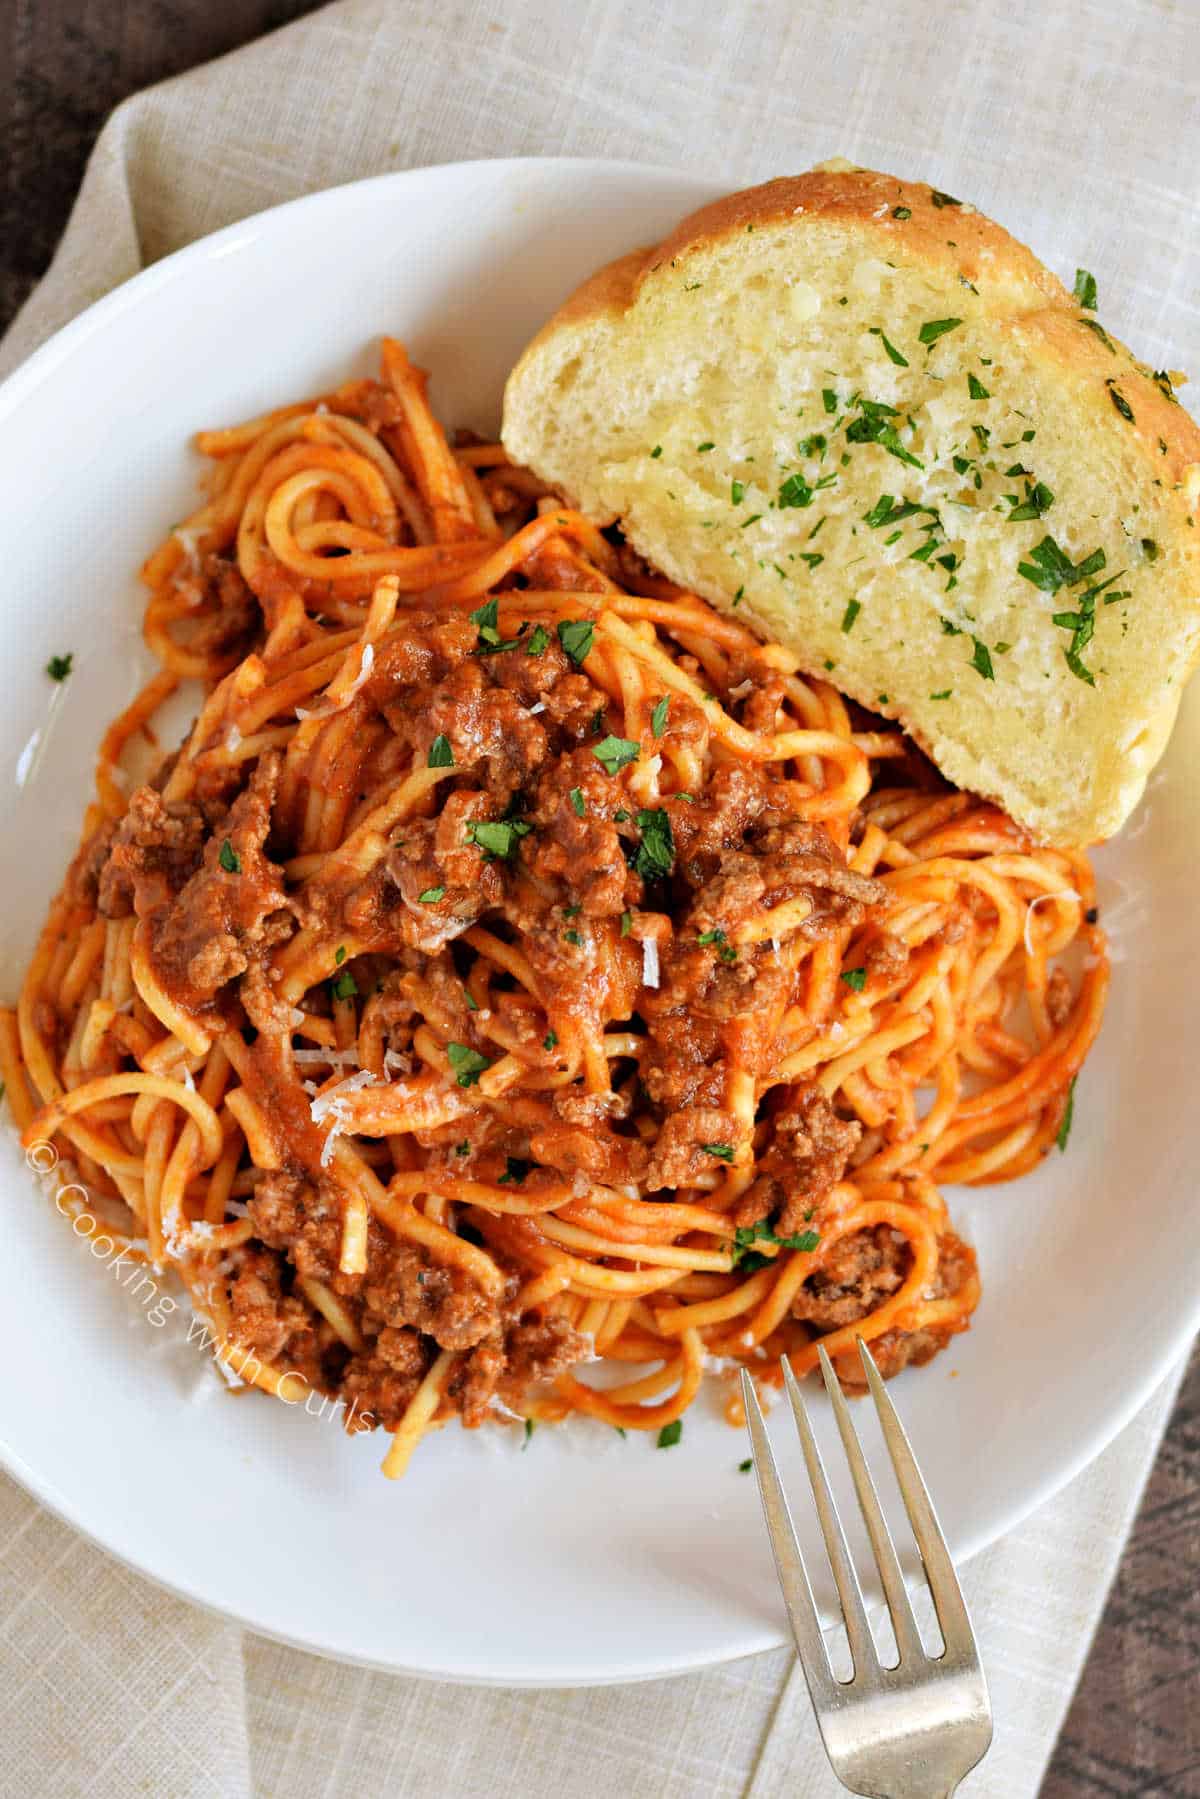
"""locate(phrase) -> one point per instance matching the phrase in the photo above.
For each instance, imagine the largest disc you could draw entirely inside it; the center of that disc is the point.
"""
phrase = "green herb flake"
(656, 452)
(345, 987)
(752, 520)
(704, 448)
(1150, 549)
(1119, 401)
(615, 753)
(577, 803)
(1064, 1129)
(670, 1434)
(656, 852)
(902, 212)
(745, 1467)
(550, 1040)
(855, 978)
(1037, 502)
(229, 859)
(894, 354)
(932, 329)
(853, 608)
(944, 695)
(658, 718)
(737, 492)
(497, 837)
(431, 896)
(440, 753)
(830, 399)
(339, 955)
(467, 1063)
(940, 199)
(538, 641)
(1085, 289)
(59, 667)
(722, 1151)
(530, 1427)
(626, 923)
(976, 389)
(575, 635)
(981, 660)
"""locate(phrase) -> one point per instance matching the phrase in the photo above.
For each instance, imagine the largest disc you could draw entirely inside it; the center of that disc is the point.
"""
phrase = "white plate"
(584, 1558)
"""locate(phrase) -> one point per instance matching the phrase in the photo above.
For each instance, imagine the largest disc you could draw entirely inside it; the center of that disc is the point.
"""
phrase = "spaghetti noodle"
(521, 965)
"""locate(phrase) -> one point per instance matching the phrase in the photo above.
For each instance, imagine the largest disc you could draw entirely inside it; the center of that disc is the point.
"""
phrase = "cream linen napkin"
(1075, 123)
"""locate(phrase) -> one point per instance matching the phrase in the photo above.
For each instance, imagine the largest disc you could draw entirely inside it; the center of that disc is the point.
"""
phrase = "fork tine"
(854, 1612)
(904, 1624)
(793, 1575)
(948, 1601)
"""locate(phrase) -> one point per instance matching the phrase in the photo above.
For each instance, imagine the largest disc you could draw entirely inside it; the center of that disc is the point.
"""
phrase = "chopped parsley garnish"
(981, 660)
(620, 816)
(1051, 568)
(339, 955)
(944, 695)
(1162, 380)
(872, 427)
(1038, 501)
(656, 452)
(670, 1434)
(745, 1467)
(829, 399)
(616, 752)
(486, 617)
(853, 608)
(950, 629)
(1119, 401)
(530, 1427)
(737, 492)
(626, 923)
(796, 491)
(472, 1002)
(813, 561)
(982, 436)
(539, 638)
(467, 1063)
(1150, 549)
(1085, 289)
(431, 896)
(894, 354)
(550, 1040)
(515, 1170)
(498, 837)
(855, 978)
(704, 448)
(656, 852)
(574, 939)
(898, 212)
(229, 859)
(440, 753)
(59, 667)
(1082, 623)
(887, 511)
(976, 389)
(940, 199)
(752, 520)
(932, 329)
(462, 1149)
(1101, 333)
(575, 635)
(345, 987)
(749, 1260)
(714, 936)
(658, 718)
(722, 1151)
(577, 804)
(1064, 1129)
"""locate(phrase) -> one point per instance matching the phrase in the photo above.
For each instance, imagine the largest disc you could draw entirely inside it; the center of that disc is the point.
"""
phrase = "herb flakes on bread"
(857, 411)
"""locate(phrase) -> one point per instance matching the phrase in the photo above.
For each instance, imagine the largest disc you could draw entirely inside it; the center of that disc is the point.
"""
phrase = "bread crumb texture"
(858, 413)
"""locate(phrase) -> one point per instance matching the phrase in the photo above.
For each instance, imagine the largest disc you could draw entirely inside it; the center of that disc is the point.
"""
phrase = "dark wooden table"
(1134, 1726)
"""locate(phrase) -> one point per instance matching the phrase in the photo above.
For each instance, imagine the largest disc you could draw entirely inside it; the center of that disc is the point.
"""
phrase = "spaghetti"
(522, 966)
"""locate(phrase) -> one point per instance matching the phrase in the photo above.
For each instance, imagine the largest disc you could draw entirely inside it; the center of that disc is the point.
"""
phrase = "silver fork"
(911, 1731)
